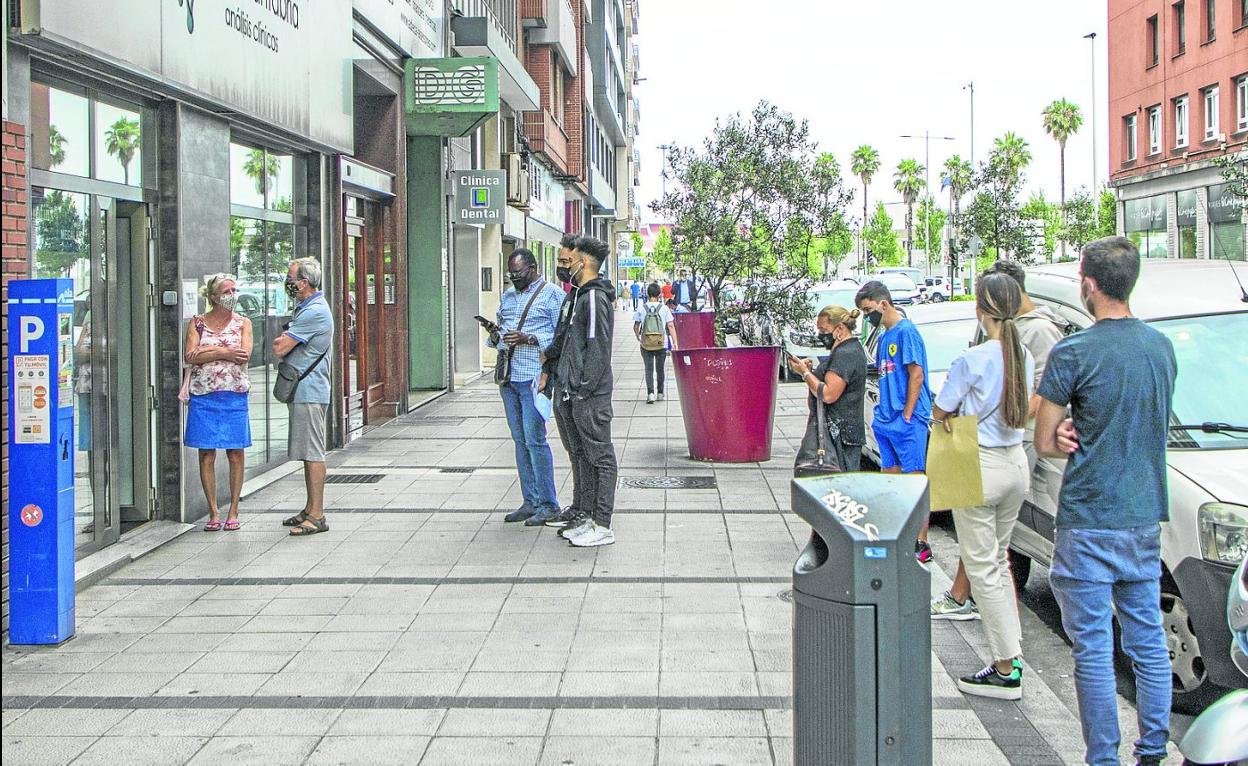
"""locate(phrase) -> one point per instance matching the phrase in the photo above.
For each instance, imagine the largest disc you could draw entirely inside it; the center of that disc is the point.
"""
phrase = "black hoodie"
(584, 367)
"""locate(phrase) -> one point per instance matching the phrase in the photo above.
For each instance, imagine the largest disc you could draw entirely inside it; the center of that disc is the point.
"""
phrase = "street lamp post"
(1091, 37)
(927, 180)
(663, 169)
(971, 87)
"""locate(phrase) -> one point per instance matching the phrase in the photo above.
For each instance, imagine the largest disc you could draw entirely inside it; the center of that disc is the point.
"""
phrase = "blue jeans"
(533, 457)
(1095, 573)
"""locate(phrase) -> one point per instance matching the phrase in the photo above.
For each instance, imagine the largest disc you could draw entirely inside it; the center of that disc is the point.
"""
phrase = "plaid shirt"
(526, 362)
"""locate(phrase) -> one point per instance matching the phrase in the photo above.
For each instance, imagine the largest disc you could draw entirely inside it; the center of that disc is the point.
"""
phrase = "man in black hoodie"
(583, 386)
(572, 515)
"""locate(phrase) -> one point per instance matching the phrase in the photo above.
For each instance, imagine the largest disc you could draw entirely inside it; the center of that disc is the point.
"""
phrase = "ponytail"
(1000, 297)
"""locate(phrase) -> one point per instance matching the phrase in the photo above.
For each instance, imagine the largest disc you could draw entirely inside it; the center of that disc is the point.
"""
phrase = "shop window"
(1146, 226)
(1226, 224)
(60, 130)
(1186, 219)
(261, 178)
(118, 145)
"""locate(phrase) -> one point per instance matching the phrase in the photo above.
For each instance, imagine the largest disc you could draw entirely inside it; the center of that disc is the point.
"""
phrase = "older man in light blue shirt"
(525, 343)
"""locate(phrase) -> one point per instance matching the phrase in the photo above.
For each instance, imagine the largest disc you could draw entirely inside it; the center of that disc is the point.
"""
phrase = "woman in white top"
(992, 381)
(218, 346)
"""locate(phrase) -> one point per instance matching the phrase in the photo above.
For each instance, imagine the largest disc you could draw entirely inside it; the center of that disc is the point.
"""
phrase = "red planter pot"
(695, 330)
(728, 401)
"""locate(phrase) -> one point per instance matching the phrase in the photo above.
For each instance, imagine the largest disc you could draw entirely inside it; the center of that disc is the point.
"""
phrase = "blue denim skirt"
(218, 421)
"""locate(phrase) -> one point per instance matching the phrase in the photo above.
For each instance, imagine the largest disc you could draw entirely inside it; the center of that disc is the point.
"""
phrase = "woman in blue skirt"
(218, 345)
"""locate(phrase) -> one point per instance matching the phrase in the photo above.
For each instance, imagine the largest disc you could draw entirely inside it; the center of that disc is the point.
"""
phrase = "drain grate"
(669, 482)
(456, 470)
(354, 478)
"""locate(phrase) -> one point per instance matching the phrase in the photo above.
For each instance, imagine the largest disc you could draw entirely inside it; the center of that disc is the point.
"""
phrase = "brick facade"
(16, 265)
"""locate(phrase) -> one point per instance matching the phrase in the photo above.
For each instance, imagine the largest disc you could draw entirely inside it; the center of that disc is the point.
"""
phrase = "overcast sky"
(868, 72)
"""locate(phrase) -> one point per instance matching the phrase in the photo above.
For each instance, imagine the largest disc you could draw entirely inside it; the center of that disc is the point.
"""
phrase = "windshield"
(945, 340)
(1212, 383)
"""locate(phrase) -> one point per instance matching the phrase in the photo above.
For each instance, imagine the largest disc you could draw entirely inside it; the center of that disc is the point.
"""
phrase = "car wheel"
(938, 297)
(1020, 569)
(1193, 691)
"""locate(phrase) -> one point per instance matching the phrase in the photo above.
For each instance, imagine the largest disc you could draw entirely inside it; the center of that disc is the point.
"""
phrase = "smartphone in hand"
(489, 326)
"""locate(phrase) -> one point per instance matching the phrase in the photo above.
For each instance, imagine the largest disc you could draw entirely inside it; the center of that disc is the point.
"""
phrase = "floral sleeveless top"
(220, 375)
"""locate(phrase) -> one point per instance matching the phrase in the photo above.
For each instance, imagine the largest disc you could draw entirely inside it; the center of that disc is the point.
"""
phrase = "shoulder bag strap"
(525, 315)
(821, 438)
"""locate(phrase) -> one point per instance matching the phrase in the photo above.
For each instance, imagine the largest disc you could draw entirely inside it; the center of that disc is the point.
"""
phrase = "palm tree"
(957, 175)
(863, 163)
(1012, 153)
(122, 141)
(908, 181)
(1062, 119)
(259, 167)
(56, 146)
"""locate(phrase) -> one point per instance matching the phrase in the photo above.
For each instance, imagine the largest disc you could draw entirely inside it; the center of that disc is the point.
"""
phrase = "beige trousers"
(984, 540)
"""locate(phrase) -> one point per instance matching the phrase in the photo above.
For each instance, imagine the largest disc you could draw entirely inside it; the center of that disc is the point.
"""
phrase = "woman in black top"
(843, 374)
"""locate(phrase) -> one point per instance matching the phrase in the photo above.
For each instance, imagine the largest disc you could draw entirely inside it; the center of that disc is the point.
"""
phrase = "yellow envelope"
(953, 471)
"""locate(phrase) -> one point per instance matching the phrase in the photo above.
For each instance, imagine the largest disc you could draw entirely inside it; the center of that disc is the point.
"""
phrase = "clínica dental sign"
(480, 196)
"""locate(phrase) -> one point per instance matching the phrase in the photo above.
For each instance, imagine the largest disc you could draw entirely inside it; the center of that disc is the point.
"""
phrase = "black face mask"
(827, 339)
(873, 318)
(564, 274)
(292, 287)
(521, 280)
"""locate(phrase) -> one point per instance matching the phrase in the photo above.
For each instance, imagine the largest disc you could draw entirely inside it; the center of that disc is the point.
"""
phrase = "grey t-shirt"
(313, 326)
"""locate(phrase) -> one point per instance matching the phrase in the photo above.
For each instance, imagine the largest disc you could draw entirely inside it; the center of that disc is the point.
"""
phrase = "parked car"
(916, 276)
(939, 288)
(804, 342)
(1197, 305)
(903, 290)
(947, 330)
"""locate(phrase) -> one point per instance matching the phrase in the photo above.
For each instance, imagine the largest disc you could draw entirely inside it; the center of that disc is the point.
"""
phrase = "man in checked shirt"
(525, 343)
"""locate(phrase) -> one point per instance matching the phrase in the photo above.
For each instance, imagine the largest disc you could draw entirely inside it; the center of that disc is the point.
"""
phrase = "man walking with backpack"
(653, 325)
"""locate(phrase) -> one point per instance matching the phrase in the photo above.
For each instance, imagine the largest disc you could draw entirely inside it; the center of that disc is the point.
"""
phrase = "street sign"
(632, 262)
(480, 196)
(41, 461)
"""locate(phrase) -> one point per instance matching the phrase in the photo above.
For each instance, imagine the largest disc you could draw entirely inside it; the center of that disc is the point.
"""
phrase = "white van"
(1199, 306)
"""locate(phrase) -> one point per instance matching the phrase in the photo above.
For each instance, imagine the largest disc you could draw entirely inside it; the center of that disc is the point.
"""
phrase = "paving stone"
(389, 722)
(151, 722)
(472, 722)
(65, 723)
(717, 751)
(141, 750)
(497, 751)
(282, 749)
(43, 751)
(602, 750)
(712, 723)
(265, 721)
(573, 722)
(382, 750)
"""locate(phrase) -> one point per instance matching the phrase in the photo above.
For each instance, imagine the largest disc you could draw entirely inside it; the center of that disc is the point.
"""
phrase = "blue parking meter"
(41, 461)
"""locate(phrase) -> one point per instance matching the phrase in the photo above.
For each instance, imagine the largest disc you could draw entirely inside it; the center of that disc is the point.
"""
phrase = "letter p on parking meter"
(41, 461)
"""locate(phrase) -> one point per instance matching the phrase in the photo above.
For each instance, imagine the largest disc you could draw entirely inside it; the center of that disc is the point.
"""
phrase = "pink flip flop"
(232, 525)
(212, 526)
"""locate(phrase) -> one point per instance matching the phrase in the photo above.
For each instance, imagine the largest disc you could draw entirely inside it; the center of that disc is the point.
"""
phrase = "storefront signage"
(286, 63)
(412, 26)
(1224, 207)
(1185, 214)
(449, 96)
(480, 196)
(1147, 214)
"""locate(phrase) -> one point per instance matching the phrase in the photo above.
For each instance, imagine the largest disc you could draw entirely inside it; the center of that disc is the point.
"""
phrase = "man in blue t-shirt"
(901, 416)
(1117, 377)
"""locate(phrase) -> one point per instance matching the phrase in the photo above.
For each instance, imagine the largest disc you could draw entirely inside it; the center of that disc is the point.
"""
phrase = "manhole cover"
(670, 482)
(456, 470)
(785, 595)
(354, 478)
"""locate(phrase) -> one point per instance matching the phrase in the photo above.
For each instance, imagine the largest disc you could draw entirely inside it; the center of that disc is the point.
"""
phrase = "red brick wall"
(1135, 86)
(15, 265)
(574, 104)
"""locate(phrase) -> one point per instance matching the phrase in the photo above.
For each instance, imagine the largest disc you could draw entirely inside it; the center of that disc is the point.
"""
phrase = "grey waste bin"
(862, 688)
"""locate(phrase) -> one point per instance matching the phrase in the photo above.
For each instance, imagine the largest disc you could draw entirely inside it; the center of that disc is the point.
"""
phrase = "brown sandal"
(295, 520)
(318, 526)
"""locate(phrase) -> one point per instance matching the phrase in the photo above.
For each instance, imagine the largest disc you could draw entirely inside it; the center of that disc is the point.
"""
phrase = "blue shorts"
(902, 444)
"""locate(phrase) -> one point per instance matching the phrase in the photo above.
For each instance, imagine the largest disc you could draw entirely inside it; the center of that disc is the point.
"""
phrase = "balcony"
(533, 13)
(487, 28)
(558, 30)
(547, 138)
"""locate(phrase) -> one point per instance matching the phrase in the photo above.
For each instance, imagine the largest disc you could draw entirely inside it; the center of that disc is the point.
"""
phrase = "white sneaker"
(661, 397)
(595, 537)
(582, 526)
(649, 398)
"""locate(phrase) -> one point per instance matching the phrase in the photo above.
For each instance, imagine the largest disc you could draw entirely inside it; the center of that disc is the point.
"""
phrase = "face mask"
(873, 318)
(827, 339)
(520, 281)
(292, 287)
(564, 274)
(228, 302)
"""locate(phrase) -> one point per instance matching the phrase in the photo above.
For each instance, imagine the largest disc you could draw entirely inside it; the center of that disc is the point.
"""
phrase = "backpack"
(653, 333)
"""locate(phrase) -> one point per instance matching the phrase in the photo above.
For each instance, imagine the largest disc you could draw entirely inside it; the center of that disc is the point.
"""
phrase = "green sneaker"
(946, 608)
(989, 683)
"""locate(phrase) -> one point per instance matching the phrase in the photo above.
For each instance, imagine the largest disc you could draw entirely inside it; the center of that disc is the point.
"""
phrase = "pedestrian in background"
(900, 418)
(526, 319)
(583, 385)
(838, 384)
(1117, 377)
(667, 290)
(635, 291)
(676, 308)
(684, 290)
(304, 346)
(993, 381)
(655, 329)
(572, 514)
(1039, 329)
(218, 346)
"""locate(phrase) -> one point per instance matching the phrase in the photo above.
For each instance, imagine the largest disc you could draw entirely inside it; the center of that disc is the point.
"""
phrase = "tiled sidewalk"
(422, 629)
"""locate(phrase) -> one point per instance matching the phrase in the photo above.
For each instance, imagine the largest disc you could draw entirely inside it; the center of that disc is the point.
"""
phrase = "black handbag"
(502, 365)
(288, 378)
(828, 456)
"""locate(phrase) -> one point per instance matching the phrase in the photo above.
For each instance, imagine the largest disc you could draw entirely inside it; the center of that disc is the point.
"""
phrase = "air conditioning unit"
(517, 180)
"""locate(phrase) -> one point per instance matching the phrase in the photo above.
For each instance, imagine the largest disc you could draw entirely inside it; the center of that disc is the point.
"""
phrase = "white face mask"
(229, 301)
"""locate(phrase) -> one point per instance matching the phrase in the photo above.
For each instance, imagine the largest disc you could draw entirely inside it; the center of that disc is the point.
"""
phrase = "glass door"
(354, 354)
(374, 370)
